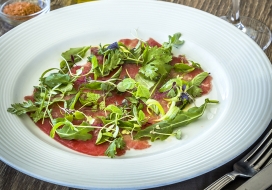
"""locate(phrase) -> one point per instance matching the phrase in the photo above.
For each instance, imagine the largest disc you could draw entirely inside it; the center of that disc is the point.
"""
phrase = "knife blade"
(261, 181)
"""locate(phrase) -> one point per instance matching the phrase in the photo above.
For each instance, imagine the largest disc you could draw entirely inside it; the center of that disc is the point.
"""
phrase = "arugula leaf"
(136, 53)
(72, 101)
(82, 133)
(117, 143)
(65, 88)
(171, 83)
(112, 60)
(132, 100)
(103, 136)
(58, 122)
(64, 127)
(139, 116)
(93, 85)
(72, 56)
(116, 75)
(164, 129)
(195, 91)
(183, 68)
(79, 115)
(107, 87)
(54, 79)
(89, 98)
(95, 66)
(198, 79)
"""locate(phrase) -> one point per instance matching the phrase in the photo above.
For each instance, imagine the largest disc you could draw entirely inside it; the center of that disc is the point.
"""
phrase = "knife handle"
(222, 182)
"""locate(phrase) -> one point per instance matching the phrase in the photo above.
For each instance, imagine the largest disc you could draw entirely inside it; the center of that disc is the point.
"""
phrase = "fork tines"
(261, 153)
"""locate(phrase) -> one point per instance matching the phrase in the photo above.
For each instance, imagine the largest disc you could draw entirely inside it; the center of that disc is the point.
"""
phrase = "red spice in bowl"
(21, 9)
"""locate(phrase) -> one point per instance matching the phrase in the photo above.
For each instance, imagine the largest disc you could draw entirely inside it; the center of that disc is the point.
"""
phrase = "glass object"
(83, 1)
(8, 21)
(255, 29)
(56, 4)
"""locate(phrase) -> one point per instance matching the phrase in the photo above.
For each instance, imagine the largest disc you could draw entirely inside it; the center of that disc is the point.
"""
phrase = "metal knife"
(261, 181)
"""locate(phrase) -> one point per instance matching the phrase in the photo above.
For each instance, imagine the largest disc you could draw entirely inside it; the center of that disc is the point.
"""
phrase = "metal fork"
(249, 165)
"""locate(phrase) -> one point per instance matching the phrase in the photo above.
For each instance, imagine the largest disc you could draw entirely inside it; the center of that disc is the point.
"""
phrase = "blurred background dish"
(15, 12)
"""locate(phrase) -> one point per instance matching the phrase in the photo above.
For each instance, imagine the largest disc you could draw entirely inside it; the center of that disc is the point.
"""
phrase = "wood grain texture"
(11, 179)
(260, 10)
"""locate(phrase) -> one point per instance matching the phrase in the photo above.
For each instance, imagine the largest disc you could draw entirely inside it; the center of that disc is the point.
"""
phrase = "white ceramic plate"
(242, 78)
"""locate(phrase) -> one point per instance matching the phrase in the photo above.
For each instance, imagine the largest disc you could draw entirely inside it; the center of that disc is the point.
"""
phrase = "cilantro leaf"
(156, 53)
(173, 41)
(126, 84)
(178, 134)
(153, 70)
(155, 62)
(22, 108)
(38, 115)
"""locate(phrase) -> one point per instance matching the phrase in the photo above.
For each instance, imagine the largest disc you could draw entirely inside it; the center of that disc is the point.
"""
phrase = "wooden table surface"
(11, 179)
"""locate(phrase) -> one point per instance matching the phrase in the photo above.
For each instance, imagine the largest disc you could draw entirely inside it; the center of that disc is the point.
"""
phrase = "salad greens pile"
(57, 88)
